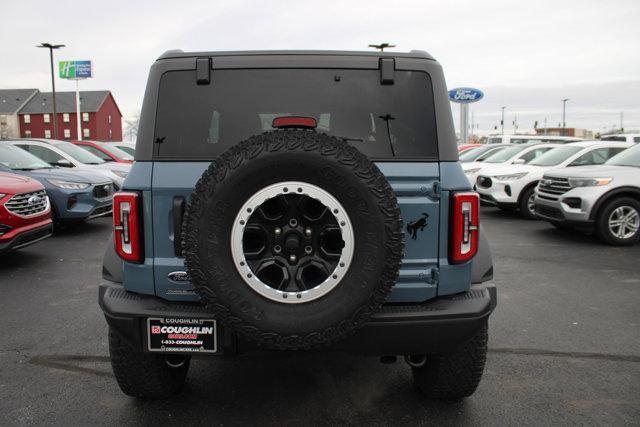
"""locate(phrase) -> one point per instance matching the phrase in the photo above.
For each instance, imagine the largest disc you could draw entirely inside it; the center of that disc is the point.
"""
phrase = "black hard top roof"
(177, 53)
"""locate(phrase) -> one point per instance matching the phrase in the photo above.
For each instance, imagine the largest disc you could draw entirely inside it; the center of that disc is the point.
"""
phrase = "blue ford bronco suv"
(297, 200)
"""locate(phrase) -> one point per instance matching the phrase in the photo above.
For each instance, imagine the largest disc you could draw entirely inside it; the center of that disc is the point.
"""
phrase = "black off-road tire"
(454, 375)
(602, 227)
(142, 374)
(315, 158)
(523, 203)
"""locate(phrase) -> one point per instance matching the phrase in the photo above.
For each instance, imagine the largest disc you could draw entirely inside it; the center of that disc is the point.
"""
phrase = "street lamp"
(53, 84)
(502, 120)
(564, 109)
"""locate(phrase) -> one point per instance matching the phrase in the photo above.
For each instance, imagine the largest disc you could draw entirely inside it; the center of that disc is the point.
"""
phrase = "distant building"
(11, 101)
(578, 133)
(101, 119)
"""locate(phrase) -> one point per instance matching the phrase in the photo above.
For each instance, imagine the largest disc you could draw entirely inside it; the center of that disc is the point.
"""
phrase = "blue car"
(75, 196)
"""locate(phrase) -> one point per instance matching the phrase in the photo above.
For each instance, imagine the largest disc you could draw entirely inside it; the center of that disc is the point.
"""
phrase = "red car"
(465, 147)
(107, 152)
(25, 214)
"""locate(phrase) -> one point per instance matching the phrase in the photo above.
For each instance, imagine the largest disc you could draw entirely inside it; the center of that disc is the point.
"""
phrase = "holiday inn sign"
(74, 69)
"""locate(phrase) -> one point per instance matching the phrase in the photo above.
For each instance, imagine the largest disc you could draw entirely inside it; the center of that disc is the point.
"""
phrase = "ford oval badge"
(465, 95)
(179, 276)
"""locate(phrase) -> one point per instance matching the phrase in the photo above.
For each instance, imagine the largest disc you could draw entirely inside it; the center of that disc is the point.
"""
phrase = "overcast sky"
(525, 55)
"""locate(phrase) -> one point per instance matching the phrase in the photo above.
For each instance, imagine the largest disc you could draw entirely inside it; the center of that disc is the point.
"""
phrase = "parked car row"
(46, 184)
(587, 185)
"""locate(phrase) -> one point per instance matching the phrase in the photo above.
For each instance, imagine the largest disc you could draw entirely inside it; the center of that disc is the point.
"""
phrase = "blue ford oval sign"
(465, 95)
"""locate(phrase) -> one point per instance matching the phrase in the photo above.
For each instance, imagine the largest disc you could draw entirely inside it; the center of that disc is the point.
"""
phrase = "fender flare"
(612, 193)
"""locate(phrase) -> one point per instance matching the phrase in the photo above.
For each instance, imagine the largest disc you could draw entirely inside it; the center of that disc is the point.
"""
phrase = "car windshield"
(494, 140)
(83, 156)
(121, 154)
(18, 159)
(555, 156)
(476, 153)
(126, 149)
(629, 157)
(503, 155)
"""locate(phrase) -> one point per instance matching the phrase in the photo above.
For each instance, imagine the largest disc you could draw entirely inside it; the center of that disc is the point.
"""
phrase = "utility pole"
(472, 123)
(621, 121)
(564, 110)
(515, 124)
(545, 125)
(53, 84)
(502, 120)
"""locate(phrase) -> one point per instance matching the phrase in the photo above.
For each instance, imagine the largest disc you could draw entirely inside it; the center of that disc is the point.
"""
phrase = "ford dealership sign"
(465, 95)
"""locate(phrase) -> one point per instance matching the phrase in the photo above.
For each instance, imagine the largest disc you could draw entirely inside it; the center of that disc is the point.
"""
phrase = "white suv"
(514, 155)
(512, 187)
(530, 139)
(605, 198)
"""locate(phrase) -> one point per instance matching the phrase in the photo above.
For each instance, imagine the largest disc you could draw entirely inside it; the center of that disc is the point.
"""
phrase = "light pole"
(53, 84)
(502, 120)
(564, 110)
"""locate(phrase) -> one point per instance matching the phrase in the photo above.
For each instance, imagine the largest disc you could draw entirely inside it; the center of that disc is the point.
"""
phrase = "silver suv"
(605, 198)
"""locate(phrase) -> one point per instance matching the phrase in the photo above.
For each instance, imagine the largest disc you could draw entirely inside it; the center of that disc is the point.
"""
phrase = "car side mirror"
(519, 162)
(64, 163)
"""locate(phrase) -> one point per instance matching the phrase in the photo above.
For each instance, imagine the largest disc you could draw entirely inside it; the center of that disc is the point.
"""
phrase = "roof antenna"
(382, 46)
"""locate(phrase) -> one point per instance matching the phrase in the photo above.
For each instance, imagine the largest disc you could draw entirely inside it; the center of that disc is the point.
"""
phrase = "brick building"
(101, 119)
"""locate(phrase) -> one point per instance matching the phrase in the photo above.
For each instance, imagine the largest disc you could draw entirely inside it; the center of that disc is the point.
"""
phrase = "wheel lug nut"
(308, 232)
(308, 249)
(277, 249)
(293, 222)
(292, 258)
(278, 231)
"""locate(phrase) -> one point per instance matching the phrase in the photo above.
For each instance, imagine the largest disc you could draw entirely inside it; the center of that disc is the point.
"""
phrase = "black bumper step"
(437, 326)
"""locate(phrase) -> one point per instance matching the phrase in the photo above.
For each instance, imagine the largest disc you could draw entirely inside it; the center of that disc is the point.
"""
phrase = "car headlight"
(589, 182)
(511, 177)
(68, 185)
(474, 170)
(2, 195)
(121, 174)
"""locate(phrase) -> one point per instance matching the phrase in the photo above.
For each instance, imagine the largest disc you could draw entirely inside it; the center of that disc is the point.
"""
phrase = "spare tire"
(293, 239)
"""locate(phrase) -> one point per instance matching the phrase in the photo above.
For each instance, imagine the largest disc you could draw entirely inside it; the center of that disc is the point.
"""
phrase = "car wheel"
(527, 204)
(270, 238)
(454, 375)
(146, 375)
(618, 222)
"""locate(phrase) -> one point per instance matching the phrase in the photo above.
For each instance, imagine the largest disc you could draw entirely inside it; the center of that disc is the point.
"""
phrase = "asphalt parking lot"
(564, 347)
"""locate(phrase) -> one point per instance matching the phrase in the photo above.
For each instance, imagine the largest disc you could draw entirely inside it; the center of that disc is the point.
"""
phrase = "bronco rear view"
(297, 200)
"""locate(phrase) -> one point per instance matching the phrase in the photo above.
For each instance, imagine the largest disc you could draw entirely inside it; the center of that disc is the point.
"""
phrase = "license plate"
(182, 335)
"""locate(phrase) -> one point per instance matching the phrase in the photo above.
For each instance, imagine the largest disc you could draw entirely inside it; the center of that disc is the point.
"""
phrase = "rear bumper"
(27, 237)
(438, 326)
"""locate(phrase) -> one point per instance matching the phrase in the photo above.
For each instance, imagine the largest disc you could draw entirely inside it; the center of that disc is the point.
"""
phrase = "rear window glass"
(382, 121)
(614, 138)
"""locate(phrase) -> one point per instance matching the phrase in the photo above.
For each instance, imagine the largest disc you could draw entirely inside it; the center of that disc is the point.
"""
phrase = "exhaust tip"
(175, 361)
(416, 360)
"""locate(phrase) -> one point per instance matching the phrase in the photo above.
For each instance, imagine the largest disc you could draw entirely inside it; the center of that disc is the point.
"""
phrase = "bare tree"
(131, 126)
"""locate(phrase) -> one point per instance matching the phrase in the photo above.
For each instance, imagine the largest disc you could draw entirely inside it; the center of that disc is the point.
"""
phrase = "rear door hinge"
(437, 189)
(433, 277)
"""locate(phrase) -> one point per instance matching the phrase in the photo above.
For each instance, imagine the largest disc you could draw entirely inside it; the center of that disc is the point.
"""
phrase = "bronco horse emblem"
(418, 224)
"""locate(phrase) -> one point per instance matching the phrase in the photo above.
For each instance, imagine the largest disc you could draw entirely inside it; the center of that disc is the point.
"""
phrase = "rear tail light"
(465, 223)
(127, 226)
